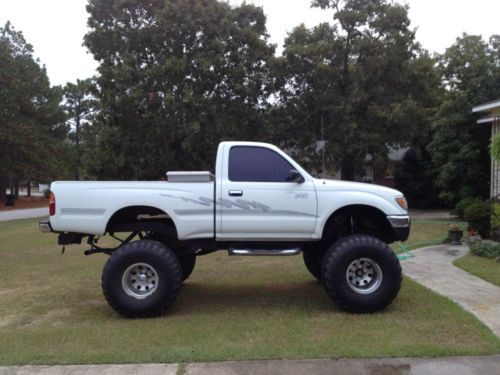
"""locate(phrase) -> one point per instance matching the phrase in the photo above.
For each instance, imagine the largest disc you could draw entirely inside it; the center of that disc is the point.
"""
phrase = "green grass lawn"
(484, 268)
(52, 312)
(425, 234)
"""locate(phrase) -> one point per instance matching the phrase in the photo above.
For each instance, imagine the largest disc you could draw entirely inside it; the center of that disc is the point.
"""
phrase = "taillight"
(52, 204)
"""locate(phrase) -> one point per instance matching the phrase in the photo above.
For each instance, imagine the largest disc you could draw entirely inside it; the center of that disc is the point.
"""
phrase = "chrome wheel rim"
(140, 280)
(364, 275)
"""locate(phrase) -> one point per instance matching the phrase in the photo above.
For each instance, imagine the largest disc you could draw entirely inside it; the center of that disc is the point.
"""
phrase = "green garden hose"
(405, 248)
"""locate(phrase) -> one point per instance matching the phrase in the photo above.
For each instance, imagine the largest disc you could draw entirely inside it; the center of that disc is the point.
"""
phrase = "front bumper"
(44, 227)
(401, 225)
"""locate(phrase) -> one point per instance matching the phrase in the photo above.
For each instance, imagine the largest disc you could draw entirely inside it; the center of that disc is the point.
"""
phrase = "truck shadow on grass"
(196, 298)
(308, 296)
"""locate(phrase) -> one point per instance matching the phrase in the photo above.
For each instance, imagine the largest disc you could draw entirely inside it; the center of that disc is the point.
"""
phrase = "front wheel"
(142, 279)
(361, 274)
(188, 262)
(313, 260)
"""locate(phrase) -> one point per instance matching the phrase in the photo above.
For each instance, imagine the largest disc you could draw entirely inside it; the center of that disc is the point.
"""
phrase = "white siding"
(495, 165)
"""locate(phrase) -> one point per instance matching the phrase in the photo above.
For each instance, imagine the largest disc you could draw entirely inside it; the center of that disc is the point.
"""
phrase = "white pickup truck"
(259, 202)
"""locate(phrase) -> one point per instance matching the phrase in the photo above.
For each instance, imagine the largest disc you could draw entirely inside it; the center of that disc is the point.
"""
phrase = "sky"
(56, 28)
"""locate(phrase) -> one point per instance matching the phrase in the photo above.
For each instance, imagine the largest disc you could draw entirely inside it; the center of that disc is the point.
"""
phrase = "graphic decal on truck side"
(245, 206)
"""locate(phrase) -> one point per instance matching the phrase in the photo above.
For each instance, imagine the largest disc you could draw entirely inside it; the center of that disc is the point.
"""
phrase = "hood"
(338, 185)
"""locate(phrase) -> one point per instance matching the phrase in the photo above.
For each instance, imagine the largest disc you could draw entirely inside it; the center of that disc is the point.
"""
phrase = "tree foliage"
(415, 176)
(471, 75)
(32, 127)
(415, 179)
(80, 106)
(359, 78)
(176, 77)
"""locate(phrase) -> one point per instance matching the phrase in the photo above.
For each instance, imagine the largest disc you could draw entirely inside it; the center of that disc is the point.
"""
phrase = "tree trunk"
(78, 152)
(11, 185)
(3, 186)
(28, 192)
(347, 170)
(16, 187)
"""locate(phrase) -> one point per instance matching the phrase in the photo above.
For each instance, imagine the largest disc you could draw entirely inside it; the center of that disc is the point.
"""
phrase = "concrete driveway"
(433, 267)
(27, 213)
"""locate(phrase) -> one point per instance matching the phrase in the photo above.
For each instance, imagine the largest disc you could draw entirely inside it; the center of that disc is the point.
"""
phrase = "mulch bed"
(26, 202)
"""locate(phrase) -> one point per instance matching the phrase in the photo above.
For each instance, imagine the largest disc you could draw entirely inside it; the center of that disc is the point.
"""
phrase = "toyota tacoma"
(258, 202)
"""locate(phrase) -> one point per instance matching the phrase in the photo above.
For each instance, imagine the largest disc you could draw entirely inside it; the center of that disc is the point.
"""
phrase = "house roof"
(485, 120)
(488, 106)
(395, 153)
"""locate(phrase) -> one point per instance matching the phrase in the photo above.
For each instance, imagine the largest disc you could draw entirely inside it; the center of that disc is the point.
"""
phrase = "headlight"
(401, 200)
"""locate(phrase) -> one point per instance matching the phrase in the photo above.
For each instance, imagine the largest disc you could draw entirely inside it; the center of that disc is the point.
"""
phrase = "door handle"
(235, 193)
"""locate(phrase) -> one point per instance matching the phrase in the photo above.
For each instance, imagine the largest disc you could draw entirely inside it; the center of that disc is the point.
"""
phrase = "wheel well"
(358, 219)
(142, 218)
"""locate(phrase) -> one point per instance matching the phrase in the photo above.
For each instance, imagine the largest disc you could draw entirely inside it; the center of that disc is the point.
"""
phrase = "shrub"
(463, 205)
(479, 217)
(495, 215)
(495, 147)
(486, 249)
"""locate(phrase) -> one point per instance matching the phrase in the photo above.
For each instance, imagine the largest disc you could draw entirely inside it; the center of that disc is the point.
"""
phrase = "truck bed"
(86, 207)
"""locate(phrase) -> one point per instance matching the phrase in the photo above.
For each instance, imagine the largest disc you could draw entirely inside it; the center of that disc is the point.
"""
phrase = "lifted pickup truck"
(260, 202)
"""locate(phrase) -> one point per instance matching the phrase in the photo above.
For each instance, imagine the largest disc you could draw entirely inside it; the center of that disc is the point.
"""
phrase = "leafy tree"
(415, 176)
(415, 179)
(32, 126)
(471, 75)
(80, 107)
(176, 77)
(359, 78)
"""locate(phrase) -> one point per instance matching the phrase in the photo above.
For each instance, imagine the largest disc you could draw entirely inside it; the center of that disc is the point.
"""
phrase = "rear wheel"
(186, 259)
(361, 274)
(141, 279)
(313, 260)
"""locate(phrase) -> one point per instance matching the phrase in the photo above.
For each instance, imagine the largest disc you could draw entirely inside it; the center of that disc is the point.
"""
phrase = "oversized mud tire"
(313, 260)
(361, 274)
(187, 260)
(142, 279)
(187, 263)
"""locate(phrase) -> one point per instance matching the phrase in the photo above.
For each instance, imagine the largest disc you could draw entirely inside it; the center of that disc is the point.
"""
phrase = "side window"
(257, 164)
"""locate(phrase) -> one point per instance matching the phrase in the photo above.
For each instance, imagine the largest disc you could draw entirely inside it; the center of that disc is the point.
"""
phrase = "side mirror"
(295, 176)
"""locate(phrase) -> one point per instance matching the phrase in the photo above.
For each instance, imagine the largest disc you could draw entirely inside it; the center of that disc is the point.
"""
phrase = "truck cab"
(262, 194)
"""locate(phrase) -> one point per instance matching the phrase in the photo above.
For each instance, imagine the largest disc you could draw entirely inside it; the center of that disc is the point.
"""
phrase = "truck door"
(259, 202)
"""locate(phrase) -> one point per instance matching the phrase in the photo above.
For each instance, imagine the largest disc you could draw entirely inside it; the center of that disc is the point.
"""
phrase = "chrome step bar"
(260, 252)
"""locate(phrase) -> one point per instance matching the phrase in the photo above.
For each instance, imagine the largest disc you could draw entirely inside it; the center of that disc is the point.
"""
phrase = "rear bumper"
(64, 238)
(44, 227)
(401, 225)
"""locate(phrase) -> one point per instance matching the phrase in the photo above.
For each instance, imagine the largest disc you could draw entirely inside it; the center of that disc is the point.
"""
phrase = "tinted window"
(257, 164)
